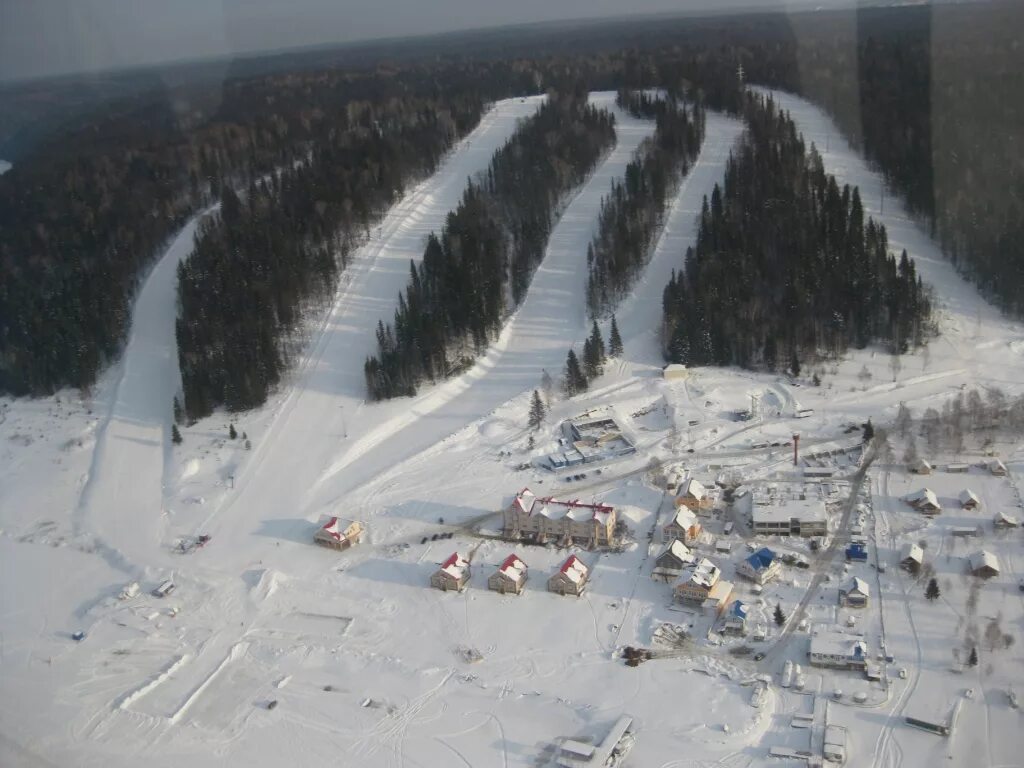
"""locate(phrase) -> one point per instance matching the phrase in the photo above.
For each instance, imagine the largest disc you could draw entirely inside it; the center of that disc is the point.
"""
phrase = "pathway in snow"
(538, 335)
(639, 315)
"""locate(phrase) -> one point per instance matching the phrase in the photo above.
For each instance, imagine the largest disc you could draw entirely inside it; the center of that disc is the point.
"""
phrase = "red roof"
(452, 560)
(330, 529)
(570, 563)
(511, 560)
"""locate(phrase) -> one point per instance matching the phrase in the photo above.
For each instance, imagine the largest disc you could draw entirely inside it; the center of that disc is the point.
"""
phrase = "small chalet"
(984, 564)
(673, 560)
(919, 467)
(510, 576)
(761, 567)
(683, 526)
(337, 533)
(911, 557)
(1003, 520)
(854, 593)
(693, 495)
(570, 579)
(996, 467)
(695, 585)
(736, 618)
(968, 499)
(924, 501)
(453, 574)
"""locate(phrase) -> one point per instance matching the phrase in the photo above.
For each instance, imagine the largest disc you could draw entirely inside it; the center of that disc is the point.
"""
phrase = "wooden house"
(672, 561)
(510, 578)
(571, 578)
(337, 533)
(452, 574)
(693, 495)
(683, 526)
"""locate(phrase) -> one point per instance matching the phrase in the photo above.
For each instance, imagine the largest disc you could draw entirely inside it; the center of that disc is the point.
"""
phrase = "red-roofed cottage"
(571, 577)
(337, 533)
(510, 576)
(452, 574)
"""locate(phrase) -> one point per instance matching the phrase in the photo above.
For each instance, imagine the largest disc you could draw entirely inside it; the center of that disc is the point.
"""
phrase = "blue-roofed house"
(736, 618)
(761, 567)
(857, 553)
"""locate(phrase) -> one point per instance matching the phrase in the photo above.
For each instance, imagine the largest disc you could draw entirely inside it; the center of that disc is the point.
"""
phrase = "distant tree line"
(481, 264)
(633, 214)
(785, 265)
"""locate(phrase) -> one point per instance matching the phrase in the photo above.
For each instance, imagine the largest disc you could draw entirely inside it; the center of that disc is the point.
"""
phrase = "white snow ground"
(366, 662)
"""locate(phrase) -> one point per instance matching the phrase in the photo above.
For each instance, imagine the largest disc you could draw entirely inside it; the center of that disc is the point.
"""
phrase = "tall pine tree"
(614, 340)
(537, 411)
(575, 380)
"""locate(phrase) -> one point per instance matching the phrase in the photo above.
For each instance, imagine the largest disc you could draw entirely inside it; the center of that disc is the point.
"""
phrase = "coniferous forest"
(632, 215)
(786, 267)
(480, 266)
(295, 230)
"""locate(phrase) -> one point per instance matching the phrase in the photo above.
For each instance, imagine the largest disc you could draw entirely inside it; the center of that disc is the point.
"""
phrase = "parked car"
(759, 655)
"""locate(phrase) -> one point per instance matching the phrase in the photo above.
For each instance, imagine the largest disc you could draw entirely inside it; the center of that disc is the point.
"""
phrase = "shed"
(1003, 520)
(674, 372)
(996, 467)
(969, 499)
(571, 577)
(452, 574)
(919, 467)
(984, 564)
(510, 576)
(959, 468)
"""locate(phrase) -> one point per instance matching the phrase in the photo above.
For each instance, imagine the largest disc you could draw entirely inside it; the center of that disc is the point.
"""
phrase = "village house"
(695, 585)
(919, 467)
(673, 560)
(1003, 520)
(830, 648)
(996, 467)
(542, 520)
(984, 564)
(911, 557)
(683, 526)
(761, 567)
(854, 593)
(736, 618)
(968, 499)
(337, 533)
(924, 501)
(453, 574)
(570, 579)
(510, 576)
(694, 496)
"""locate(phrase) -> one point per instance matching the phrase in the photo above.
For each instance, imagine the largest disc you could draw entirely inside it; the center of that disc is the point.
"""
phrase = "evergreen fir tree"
(972, 660)
(177, 410)
(231, 432)
(614, 340)
(869, 431)
(537, 411)
(794, 366)
(932, 590)
(575, 380)
(175, 434)
(780, 617)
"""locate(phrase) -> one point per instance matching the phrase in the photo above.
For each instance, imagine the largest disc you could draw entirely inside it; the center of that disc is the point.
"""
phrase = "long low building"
(528, 517)
(790, 517)
(830, 648)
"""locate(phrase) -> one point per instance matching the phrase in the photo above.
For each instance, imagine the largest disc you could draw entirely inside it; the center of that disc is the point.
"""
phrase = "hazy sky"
(43, 37)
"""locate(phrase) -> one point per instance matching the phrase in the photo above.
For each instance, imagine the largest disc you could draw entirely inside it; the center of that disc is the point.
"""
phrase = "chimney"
(796, 449)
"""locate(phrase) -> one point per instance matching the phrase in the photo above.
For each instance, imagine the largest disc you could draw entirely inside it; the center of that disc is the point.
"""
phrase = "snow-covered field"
(367, 664)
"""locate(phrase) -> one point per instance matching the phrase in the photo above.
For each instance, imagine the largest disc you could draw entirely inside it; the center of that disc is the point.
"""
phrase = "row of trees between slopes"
(277, 251)
(785, 265)
(632, 216)
(480, 266)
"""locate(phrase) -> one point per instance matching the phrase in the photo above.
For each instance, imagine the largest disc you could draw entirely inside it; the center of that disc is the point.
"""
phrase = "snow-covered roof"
(720, 590)
(829, 642)
(761, 560)
(705, 573)
(684, 518)
(911, 551)
(574, 569)
(513, 567)
(984, 559)
(455, 566)
(556, 509)
(919, 465)
(678, 549)
(675, 367)
(857, 584)
(804, 510)
(694, 489)
(967, 496)
(997, 467)
(923, 496)
(1008, 521)
(335, 528)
